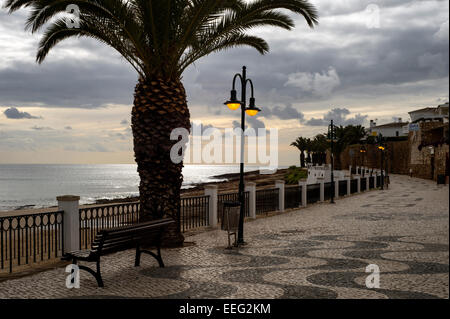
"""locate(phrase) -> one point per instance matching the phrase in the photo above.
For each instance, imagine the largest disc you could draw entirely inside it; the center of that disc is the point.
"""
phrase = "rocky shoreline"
(230, 185)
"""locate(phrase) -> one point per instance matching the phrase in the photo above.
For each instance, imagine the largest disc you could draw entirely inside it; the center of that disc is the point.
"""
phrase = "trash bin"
(230, 220)
(441, 179)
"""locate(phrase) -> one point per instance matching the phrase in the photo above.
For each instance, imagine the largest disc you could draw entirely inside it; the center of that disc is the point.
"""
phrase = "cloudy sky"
(376, 59)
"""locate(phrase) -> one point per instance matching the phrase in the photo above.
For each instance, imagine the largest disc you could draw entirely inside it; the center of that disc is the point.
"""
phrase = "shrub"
(294, 174)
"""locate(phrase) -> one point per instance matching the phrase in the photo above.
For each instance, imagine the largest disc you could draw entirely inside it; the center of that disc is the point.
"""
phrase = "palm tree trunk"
(302, 159)
(159, 107)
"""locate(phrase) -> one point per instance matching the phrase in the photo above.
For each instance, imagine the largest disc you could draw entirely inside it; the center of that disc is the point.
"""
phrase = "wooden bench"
(147, 234)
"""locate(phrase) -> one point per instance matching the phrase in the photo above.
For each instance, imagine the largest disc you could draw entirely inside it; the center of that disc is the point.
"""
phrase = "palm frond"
(163, 37)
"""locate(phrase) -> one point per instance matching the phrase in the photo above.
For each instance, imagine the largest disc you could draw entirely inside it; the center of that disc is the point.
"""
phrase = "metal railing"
(342, 188)
(313, 193)
(327, 191)
(30, 239)
(96, 218)
(353, 186)
(379, 180)
(194, 212)
(267, 200)
(293, 196)
(234, 197)
(371, 182)
(363, 184)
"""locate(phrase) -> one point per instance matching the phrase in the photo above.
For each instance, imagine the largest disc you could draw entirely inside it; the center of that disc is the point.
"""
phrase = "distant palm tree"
(340, 144)
(301, 144)
(160, 39)
(309, 150)
(354, 134)
(321, 145)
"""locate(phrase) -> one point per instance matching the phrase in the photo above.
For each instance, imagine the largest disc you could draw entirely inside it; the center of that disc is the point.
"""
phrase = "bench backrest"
(126, 237)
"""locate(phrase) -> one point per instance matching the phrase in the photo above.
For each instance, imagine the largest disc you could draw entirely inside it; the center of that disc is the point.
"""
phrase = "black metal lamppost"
(233, 104)
(332, 137)
(363, 151)
(381, 147)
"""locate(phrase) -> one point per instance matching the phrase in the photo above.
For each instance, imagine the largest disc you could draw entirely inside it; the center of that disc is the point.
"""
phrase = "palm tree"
(321, 146)
(340, 144)
(309, 150)
(160, 39)
(354, 134)
(301, 144)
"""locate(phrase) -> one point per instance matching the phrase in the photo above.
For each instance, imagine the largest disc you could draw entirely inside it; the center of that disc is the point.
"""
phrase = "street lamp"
(331, 137)
(381, 147)
(363, 151)
(233, 104)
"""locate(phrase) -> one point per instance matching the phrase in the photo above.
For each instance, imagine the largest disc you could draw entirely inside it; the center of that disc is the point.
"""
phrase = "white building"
(439, 113)
(317, 173)
(388, 130)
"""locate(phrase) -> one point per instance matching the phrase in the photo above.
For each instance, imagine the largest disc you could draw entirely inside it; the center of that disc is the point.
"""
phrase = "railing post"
(251, 188)
(357, 169)
(375, 178)
(70, 205)
(336, 188)
(322, 188)
(358, 182)
(304, 192)
(367, 182)
(280, 185)
(350, 169)
(211, 191)
(349, 183)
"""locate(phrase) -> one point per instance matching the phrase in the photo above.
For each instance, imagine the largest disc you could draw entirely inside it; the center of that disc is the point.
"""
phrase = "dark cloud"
(340, 59)
(283, 113)
(317, 122)
(68, 127)
(252, 122)
(14, 113)
(124, 122)
(72, 83)
(339, 117)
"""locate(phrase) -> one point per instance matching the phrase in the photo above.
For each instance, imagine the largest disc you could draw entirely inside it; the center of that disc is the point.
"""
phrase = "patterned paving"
(318, 252)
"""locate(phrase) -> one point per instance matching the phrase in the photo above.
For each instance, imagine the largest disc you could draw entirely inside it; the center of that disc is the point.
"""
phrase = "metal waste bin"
(230, 220)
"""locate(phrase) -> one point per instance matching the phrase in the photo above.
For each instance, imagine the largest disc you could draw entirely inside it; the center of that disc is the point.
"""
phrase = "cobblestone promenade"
(318, 252)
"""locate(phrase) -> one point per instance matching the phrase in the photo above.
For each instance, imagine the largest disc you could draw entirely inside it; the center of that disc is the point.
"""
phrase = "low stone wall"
(398, 157)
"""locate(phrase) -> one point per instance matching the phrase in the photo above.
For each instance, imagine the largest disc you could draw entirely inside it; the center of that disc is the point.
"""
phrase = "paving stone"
(320, 251)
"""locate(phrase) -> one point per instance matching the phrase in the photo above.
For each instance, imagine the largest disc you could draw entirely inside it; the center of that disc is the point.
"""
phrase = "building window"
(396, 133)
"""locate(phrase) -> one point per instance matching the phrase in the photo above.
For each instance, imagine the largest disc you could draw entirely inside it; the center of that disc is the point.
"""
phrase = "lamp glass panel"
(251, 112)
(233, 106)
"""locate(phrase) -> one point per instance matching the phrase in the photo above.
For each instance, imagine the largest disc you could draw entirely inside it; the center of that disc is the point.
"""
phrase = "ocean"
(36, 186)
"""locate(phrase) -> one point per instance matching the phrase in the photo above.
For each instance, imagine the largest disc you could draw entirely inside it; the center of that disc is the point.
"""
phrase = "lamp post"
(233, 104)
(386, 164)
(381, 148)
(363, 151)
(332, 136)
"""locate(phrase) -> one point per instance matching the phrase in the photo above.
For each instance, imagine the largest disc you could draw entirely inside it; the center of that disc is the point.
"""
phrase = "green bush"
(294, 174)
